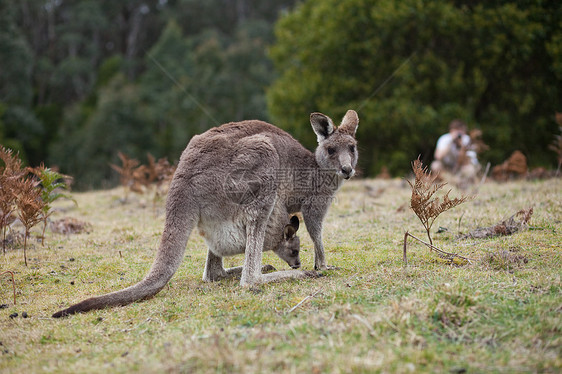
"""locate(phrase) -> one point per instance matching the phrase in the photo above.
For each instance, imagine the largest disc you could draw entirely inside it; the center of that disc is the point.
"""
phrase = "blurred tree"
(189, 85)
(163, 86)
(410, 67)
(16, 60)
(223, 16)
(19, 127)
(118, 122)
(194, 83)
(176, 67)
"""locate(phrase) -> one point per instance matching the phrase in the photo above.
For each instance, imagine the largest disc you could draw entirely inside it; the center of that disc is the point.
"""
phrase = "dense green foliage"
(81, 80)
(410, 67)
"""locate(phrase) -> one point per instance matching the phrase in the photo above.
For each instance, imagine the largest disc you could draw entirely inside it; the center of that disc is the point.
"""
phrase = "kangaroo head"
(337, 147)
(289, 247)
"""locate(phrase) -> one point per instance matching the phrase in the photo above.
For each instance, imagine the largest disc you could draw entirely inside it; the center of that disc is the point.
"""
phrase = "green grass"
(501, 314)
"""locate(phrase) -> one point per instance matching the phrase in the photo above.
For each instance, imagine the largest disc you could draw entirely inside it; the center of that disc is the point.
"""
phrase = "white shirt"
(446, 142)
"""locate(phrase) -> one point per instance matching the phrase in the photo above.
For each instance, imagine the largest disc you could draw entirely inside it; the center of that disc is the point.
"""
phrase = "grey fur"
(238, 183)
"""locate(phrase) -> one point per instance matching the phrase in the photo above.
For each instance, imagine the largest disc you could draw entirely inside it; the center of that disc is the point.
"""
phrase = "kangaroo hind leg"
(214, 269)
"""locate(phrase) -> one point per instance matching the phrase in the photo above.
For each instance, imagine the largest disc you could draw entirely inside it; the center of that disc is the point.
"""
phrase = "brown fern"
(140, 179)
(423, 203)
(126, 171)
(10, 173)
(145, 178)
(163, 172)
(12, 163)
(158, 172)
(428, 208)
(30, 207)
(152, 168)
(7, 207)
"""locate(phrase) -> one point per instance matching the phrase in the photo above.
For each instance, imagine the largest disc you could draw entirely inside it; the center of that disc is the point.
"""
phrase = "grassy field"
(502, 313)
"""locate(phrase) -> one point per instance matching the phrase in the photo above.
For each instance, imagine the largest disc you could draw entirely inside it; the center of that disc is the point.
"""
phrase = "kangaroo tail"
(180, 220)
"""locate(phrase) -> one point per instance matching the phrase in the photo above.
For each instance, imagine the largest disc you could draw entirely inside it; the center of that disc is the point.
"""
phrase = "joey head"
(289, 248)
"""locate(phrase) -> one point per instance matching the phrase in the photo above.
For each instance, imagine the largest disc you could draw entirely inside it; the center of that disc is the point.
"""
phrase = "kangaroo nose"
(346, 170)
(296, 266)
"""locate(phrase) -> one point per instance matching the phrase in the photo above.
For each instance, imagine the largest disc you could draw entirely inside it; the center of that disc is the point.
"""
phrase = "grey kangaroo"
(234, 182)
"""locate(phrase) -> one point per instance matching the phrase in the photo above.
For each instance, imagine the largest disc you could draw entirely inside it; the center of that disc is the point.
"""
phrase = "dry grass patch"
(499, 314)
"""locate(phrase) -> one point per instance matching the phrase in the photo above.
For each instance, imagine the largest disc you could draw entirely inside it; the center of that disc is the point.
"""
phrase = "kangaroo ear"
(289, 232)
(295, 222)
(322, 125)
(349, 123)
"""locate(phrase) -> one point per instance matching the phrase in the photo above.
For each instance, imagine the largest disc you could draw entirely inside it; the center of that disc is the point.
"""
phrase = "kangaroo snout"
(296, 266)
(347, 171)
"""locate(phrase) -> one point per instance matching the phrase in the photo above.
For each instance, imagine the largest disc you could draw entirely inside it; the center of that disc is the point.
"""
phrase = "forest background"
(82, 80)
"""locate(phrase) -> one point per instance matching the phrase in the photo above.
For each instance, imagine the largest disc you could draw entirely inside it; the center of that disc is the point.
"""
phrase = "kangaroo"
(231, 182)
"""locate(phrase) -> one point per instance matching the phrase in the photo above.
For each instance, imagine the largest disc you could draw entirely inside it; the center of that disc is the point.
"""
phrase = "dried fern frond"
(30, 207)
(514, 167)
(156, 172)
(164, 170)
(7, 206)
(12, 163)
(427, 207)
(159, 171)
(151, 169)
(29, 202)
(11, 173)
(126, 171)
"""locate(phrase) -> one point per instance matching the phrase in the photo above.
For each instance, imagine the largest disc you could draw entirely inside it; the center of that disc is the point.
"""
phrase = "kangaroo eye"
(331, 150)
(352, 148)
(294, 253)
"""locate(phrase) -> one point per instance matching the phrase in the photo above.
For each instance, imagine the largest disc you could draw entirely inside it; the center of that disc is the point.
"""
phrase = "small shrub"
(51, 182)
(24, 197)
